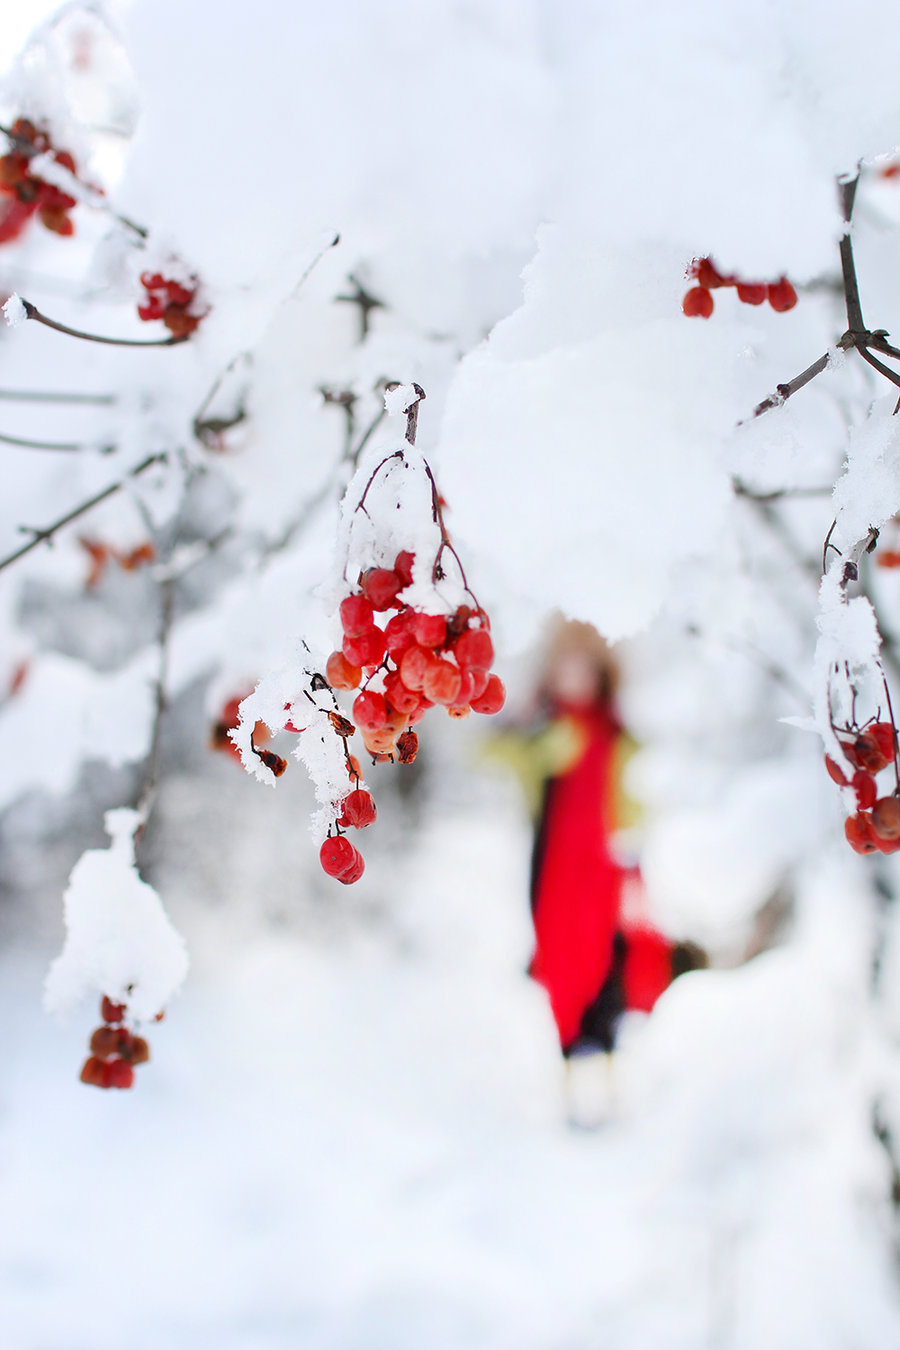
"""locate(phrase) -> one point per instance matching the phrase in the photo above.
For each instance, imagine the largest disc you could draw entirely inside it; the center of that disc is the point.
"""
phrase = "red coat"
(591, 968)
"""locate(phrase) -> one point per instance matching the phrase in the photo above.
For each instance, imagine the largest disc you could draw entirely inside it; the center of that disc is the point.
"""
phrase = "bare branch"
(41, 536)
(32, 312)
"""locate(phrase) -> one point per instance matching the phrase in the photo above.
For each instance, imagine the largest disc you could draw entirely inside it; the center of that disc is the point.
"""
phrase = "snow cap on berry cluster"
(119, 940)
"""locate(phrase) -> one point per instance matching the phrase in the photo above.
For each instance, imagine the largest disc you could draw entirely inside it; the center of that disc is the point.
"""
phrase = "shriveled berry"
(782, 295)
(493, 698)
(340, 674)
(179, 322)
(407, 747)
(357, 809)
(886, 817)
(697, 303)
(140, 1050)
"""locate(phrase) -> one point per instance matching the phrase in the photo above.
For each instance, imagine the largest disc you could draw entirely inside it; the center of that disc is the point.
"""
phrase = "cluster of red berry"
(170, 301)
(418, 660)
(114, 1050)
(875, 826)
(27, 193)
(698, 302)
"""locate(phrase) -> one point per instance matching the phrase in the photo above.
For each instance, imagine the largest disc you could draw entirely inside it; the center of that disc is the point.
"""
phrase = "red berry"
(886, 817)
(398, 633)
(340, 674)
(430, 629)
(697, 303)
(151, 311)
(93, 1072)
(13, 168)
(153, 281)
(337, 854)
(493, 698)
(381, 586)
(708, 275)
(65, 159)
(105, 1042)
(413, 665)
(782, 295)
(112, 1012)
(884, 736)
(403, 566)
(370, 710)
(354, 871)
(140, 1050)
(357, 615)
(365, 650)
(466, 691)
(835, 772)
(178, 294)
(860, 835)
(357, 809)
(751, 293)
(57, 220)
(403, 699)
(863, 785)
(119, 1074)
(441, 682)
(866, 753)
(474, 648)
(888, 557)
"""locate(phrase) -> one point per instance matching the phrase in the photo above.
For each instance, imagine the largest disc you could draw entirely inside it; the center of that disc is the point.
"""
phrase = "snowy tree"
(642, 268)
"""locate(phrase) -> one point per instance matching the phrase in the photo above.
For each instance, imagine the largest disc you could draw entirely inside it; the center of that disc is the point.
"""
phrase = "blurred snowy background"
(352, 1133)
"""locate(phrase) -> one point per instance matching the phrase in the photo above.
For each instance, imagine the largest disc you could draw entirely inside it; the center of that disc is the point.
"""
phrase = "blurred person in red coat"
(596, 953)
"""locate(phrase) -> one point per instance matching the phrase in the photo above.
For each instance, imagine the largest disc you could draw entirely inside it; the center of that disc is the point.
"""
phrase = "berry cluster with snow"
(265, 227)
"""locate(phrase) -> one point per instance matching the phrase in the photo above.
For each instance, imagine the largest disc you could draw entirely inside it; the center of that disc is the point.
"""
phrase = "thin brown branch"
(41, 536)
(32, 312)
(784, 391)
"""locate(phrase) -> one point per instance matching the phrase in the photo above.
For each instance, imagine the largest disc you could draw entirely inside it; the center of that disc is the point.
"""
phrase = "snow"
(353, 1129)
(119, 941)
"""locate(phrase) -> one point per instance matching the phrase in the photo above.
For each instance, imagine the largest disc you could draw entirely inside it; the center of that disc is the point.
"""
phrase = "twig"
(740, 489)
(45, 535)
(784, 391)
(32, 312)
(39, 396)
(52, 445)
(366, 304)
(147, 791)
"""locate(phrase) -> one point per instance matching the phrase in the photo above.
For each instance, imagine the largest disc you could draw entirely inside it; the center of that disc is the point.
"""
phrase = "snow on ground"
(352, 1136)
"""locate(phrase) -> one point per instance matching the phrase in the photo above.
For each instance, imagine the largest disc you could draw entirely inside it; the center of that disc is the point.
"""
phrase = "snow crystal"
(119, 940)
(15, 311)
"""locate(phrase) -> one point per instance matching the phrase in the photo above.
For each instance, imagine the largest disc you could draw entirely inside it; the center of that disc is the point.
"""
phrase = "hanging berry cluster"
(26, 192)
(114, 1050)
(170, 301)
(875, 825)
(418, 659)
(698, 302)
